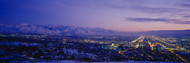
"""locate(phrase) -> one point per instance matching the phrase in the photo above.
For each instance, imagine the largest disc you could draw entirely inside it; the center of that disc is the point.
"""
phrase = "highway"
(171, 50)
(136, 42)
(136, 45)
(151, 41)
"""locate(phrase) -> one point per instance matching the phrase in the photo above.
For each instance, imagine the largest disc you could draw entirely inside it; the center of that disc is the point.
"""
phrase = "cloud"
(156, 10)
(147, 9)
(160, 6)
(163, 8)
(182, 22)
(187, 16)
(185, 5)
(150, 19)
(166, 20)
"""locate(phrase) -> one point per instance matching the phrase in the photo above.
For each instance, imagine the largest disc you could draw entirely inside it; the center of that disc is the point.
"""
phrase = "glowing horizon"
(119, 15)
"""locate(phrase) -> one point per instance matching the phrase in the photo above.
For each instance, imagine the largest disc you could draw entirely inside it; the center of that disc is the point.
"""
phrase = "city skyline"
(120, 15)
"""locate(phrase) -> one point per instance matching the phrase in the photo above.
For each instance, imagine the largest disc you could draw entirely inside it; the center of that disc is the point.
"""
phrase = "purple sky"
(121, 15)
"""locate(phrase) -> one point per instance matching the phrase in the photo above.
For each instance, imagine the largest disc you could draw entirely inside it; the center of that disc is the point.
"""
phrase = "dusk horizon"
(100, 27)
(94, 31)
(121, 15)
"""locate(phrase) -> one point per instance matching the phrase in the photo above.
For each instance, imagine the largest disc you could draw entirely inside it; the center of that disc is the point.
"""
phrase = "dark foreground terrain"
(31, 47)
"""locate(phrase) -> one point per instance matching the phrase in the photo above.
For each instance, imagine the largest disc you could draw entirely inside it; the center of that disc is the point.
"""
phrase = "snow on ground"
(72, 61)
(18, 43)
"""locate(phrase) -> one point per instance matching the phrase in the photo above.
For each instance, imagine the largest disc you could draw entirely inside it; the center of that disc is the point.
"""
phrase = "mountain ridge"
(51, 29)
(54, 29)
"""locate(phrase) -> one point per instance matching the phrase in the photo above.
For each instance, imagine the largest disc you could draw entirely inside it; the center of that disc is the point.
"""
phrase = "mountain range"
(52, 29)
(73, 30)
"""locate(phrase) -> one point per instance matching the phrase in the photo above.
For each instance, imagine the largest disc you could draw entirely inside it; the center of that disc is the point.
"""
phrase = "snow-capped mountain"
(51, 29)
(73, 30)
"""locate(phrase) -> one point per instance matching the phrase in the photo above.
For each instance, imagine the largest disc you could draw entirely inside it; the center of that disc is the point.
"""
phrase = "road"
(151, 41)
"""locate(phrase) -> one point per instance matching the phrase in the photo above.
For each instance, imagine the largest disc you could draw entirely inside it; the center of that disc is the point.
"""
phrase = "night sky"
(121, 15)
